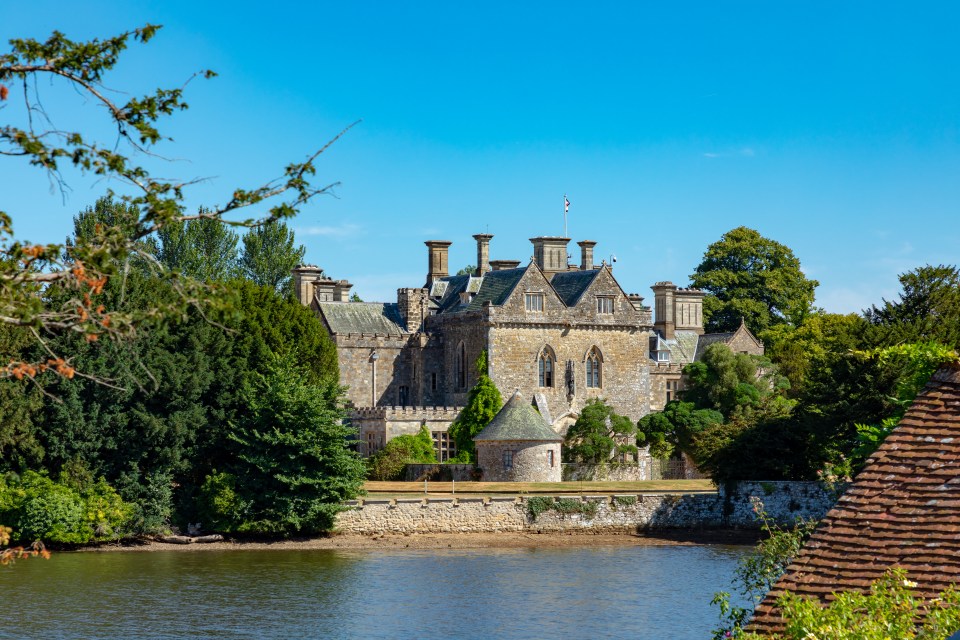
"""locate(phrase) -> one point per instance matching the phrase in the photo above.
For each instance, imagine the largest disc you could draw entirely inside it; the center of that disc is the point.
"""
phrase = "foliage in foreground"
(757, 572)
(389, 462)
(892, 609)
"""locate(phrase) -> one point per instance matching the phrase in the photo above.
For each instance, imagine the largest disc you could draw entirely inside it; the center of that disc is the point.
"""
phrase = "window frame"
(605, 305)
(533, 301)
(546, 369)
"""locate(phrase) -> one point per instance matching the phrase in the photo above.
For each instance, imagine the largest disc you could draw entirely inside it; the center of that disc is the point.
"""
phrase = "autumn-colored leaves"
(8, 555)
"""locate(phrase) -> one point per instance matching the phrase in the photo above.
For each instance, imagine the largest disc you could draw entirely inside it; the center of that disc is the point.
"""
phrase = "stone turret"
(412, 305)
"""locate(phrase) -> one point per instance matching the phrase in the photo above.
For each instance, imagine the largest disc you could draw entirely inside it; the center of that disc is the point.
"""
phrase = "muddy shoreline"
(503, 540)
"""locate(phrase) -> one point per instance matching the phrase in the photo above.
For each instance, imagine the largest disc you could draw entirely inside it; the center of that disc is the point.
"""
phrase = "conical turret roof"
(519, 421)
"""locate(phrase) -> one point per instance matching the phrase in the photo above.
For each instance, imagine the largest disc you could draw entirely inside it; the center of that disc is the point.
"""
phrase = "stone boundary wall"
(783, 502)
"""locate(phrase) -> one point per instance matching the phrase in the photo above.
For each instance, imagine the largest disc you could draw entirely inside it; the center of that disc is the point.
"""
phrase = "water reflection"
(603, 592)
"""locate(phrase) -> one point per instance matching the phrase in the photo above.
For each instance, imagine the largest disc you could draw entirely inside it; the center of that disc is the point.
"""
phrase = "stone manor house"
(558, 333)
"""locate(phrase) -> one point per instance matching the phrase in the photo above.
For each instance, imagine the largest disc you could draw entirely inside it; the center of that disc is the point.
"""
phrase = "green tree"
(600, 435)
(483, 403)
(468, 270)
(390, 462)
(270, 254)
(19, 448)
(203, 249)
(84, 268)
(292, 463)
(676, 428)
(749, 277)
(796, 349)
(928, 308)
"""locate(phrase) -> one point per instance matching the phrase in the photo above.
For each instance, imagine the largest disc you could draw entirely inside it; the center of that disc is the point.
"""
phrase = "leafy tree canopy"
(290, 454)
(754, 278)
(270, 254)
(928, 308)
(675, 428)
(600, 435)
(203, 249)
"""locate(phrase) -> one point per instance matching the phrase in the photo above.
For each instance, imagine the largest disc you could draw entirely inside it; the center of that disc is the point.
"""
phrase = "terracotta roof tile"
(902, 510)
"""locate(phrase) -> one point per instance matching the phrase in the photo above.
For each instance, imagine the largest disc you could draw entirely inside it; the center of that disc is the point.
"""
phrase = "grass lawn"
(417, 489)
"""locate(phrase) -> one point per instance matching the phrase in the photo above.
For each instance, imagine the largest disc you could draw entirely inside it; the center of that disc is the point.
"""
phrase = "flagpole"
(564, 215)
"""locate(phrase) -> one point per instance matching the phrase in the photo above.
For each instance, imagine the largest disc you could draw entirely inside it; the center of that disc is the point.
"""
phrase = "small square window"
(604, 304)
(533, 302)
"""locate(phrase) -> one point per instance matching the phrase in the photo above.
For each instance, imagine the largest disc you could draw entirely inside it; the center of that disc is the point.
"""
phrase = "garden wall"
(783, 502)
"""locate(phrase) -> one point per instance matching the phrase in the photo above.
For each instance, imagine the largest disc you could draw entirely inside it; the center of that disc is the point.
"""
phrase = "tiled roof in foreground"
(902, 510)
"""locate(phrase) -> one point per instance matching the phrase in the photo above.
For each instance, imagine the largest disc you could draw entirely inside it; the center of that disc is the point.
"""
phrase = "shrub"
(389, 462)
(39, 508)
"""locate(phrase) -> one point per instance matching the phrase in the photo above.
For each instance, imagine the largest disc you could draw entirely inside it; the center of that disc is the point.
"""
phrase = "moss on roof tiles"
(570, 285)
(362, 317)
(518, 421)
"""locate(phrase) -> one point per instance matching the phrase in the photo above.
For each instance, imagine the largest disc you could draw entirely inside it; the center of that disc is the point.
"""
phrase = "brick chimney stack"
(586, 254)
(437, 260)
(483, 252)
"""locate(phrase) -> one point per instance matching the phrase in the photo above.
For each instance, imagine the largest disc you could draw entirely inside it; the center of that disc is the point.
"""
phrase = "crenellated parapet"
(407, 413)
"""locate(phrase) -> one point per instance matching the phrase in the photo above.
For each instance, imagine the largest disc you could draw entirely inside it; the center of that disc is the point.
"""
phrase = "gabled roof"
(497, 287)
(451, 293)
(902, 510)
(570, 285)
(362, 317)
(709, 338)
(518, 421)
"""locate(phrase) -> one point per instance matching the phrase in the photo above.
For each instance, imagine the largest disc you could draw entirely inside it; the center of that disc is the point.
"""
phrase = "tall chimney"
(586, 254)
(483, 252)
(550, 254)
(664, 308)
(437, 267)
(304, 277)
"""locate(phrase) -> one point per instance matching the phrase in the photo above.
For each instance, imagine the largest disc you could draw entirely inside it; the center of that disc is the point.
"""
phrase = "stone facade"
(783, 502)
(560, 333)
(529, 461)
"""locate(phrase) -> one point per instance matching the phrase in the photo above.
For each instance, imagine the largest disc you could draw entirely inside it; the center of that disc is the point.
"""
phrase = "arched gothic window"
(461, 366)
(545, 367)
(594, 367)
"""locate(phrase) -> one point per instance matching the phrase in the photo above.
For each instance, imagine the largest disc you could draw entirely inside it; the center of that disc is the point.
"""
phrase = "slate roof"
(497, 287)
(902, 510)
(708, 339)
(518, 421)
(684, 347)
(362, 317)
(570, 285)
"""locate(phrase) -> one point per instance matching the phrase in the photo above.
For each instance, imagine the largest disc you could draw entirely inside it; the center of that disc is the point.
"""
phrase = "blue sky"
(833, 128)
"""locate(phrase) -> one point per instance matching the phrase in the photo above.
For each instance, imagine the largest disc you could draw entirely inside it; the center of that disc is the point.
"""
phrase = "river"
(583, 592)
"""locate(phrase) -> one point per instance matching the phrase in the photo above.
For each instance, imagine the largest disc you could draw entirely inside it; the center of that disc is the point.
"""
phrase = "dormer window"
(533, 302)
(605, 304)
(663, 356)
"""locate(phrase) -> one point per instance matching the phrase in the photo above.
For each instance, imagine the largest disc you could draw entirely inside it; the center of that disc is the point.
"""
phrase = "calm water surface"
(599, 592)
